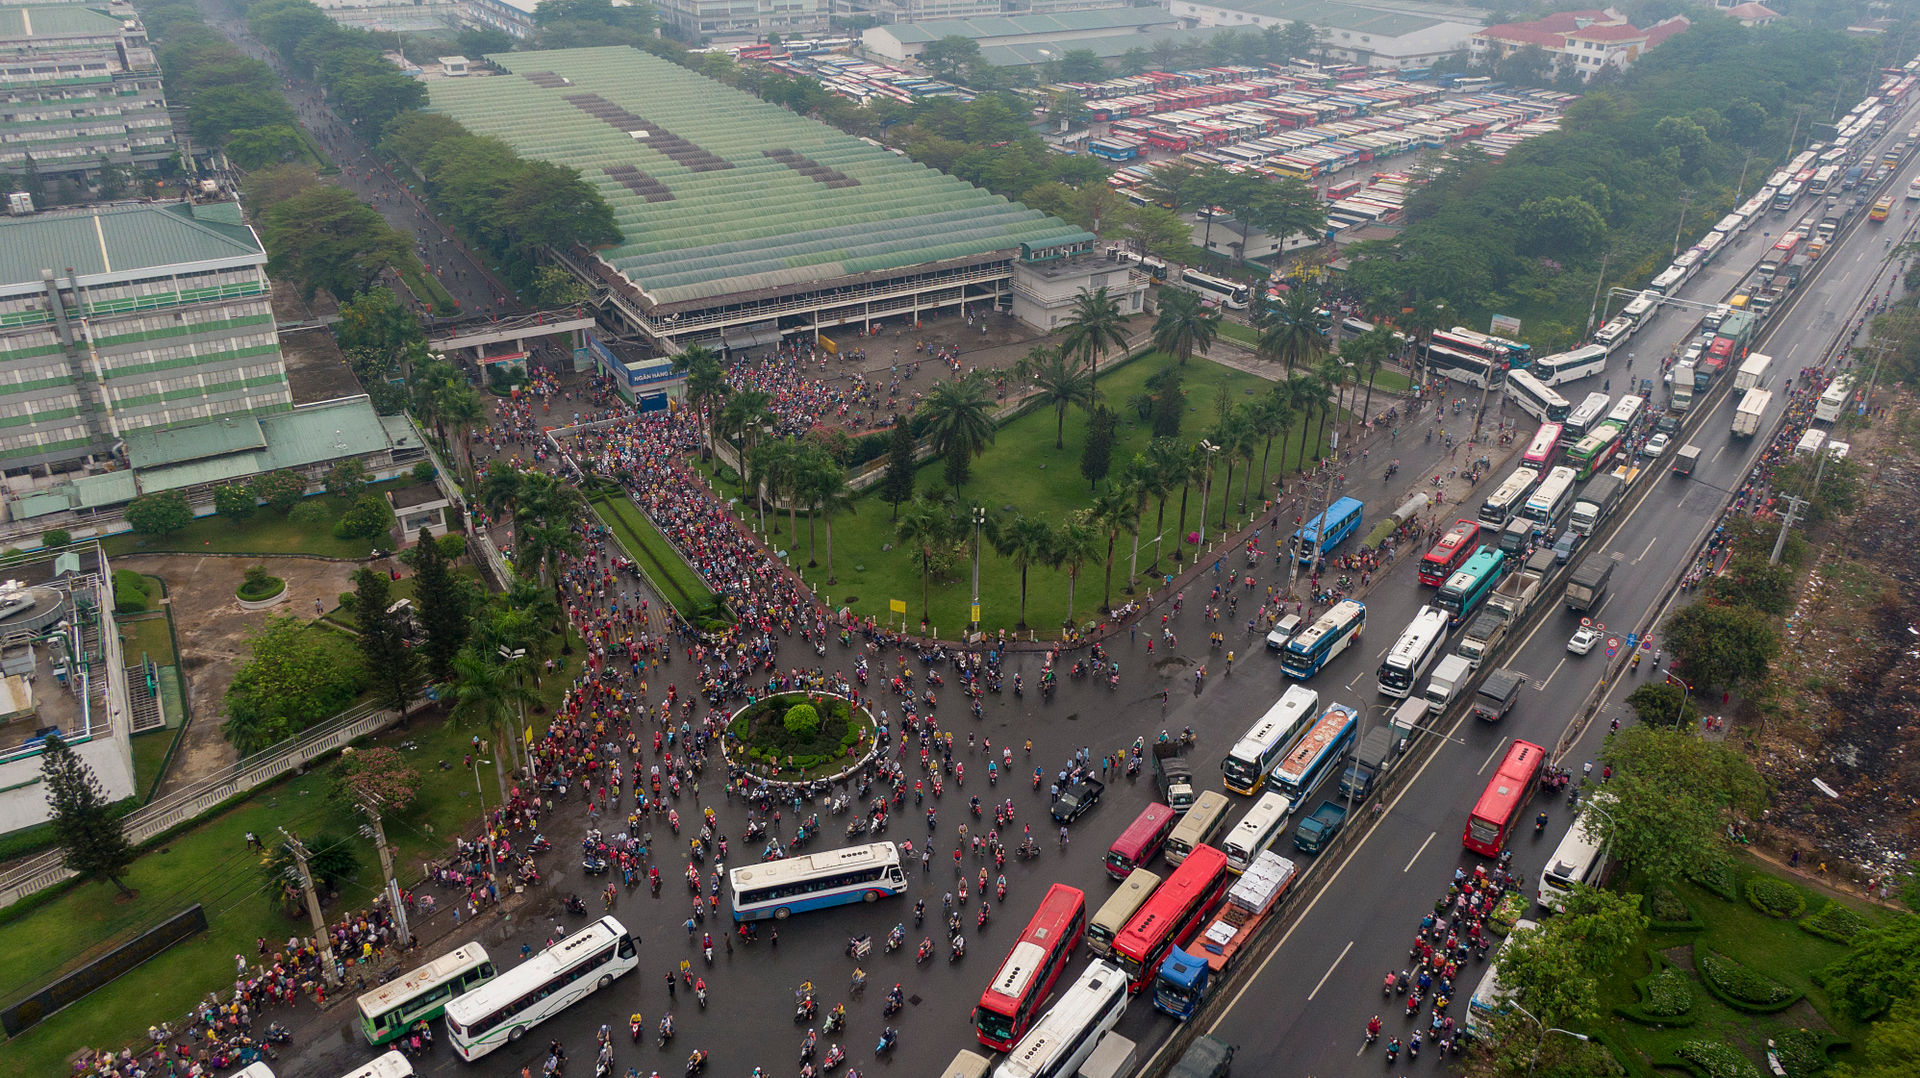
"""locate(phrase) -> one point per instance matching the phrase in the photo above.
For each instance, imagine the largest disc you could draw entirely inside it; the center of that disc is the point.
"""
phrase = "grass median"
(656, 557)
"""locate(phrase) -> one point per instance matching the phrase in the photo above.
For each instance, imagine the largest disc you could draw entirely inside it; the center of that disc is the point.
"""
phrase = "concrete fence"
(44, 871)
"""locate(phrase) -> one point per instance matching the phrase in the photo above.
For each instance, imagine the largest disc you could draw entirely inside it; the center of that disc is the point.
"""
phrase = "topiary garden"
(259, 584)
(798, 735)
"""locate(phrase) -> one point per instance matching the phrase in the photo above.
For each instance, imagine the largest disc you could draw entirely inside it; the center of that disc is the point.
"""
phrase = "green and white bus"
(389, 1011)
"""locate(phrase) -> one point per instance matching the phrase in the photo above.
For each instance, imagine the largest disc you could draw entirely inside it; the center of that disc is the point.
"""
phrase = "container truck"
(1185, 977)
(1497, 695)
(1484, 634)
(1172, 775)
(1449, 677)
(1681, 387)
(1588, 583)
(1684, 460)
(1752, 411)
(1597, 499)
(1753, 372)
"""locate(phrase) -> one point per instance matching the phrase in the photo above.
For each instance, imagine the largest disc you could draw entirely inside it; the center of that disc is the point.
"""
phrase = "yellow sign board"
(976, 613)
(898, 606)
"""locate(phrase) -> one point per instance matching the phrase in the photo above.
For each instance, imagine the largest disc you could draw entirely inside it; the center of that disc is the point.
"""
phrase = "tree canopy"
(294, 676)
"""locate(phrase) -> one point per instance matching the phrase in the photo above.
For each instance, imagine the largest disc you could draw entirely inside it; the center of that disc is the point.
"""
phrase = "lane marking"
(1542, 687)
(1644, 551)
(1330, 969)
(1418, 852)
(1498, 751)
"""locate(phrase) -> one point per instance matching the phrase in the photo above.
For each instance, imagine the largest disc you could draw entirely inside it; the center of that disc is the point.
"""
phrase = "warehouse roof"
(55, 20)
(1332, 15)
(991, 26)
(1106, 47)
(717, 192)
(122, 240)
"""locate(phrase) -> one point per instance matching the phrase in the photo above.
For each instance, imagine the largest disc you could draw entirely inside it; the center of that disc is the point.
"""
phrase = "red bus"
(1451, 552)
(1011, 1003)
(1140, 841)
(1544, 448)
(1499, 808)
(1338, 191)
(1171, 916)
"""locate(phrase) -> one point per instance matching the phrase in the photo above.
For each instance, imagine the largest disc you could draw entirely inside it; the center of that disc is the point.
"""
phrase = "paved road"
(1309, 1005)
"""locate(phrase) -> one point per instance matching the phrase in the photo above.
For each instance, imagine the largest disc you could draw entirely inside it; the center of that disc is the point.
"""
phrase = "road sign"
(1632, 639)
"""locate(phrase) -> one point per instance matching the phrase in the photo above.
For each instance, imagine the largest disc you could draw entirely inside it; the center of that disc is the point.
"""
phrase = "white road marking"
(1418, 852)
(1330, 969)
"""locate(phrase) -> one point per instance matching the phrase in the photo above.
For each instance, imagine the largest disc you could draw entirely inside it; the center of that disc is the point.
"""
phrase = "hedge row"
(1721, 879)
(1713, 1059)
(1775, 897)
(1740, 987)
(1668, 912)
(1836, 923)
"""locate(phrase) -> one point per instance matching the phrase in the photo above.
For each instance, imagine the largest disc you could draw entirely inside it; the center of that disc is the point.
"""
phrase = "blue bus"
(779, 889)
(1323, 640)
(1319, 749)
(1342, 519)
(1470, 585)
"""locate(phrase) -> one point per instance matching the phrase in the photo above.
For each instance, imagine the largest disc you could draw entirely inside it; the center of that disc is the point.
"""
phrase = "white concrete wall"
(23, 797)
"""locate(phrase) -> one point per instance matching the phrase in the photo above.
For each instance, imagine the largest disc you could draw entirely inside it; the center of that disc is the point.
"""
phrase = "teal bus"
(1326, 530)
(1470, 585)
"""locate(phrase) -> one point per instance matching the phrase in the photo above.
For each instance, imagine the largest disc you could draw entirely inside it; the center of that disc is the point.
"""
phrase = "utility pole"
(1312, 555)
(1795, 507)
(321, 939)
(1599, 284)
(1686, 198)
(370, 805)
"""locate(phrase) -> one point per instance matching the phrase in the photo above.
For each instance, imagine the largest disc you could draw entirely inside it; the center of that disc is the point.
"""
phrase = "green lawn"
(211, 864)
(1238, 333)
(149, 752)
(266, 533)
(1023, 470)
(669, 572)
(1778, 948)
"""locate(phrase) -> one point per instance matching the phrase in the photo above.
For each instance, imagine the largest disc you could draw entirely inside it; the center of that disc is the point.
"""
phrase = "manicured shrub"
(1803, 1052)
(1836, 923)
(1740, 986)
(1719, 879)
(802, 721)
(1775, 897)
(1713, 1059)
(310, 514)
(1668, 994)
(129, 592)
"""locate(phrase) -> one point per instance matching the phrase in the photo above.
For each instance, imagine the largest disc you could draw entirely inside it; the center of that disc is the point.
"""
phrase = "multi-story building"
(738, 19)
(1584, 41)
(78, 86)
(1376, 33)
(127, 316)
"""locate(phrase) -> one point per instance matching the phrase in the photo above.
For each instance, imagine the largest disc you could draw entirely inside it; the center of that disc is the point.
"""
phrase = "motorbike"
(807, 1046)
(835, 1056)
(1373, 1029)
(894, 1003)
(896, 937)
(887, 1040)
(1387, 986)
(697, 1062)
(1413, 1045)
(1393, 1051)
(666, 1031)
(540, 844)
(575, 906)
(836, 1020)
(919, 912)
(925, 952)
(803, 1011)
(959, 950)
(986, 910)
(635, 1028)
(700, 993)
(594, 866)
(278, 1034)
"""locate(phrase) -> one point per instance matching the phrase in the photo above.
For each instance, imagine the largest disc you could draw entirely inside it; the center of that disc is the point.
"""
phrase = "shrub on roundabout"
(799, 735)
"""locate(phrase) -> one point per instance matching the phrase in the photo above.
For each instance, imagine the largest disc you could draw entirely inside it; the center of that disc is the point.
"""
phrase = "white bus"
(504, 1008)
(1577, 860)
(1199, 827)
(1586, 416)
(1064, 1037)
(1488, 999)
(391, 1065)
(387, 1012)
(1508, 498)
(1582, 362)
(1552, 498)
(780, 889)
(1231, 294)
(1641, 308)
(1256, 831)
(1462, 367)
(1834, 400)
(1536, 399)
(1246, 765)
(1668, 280)
(1628, 411)
(1416, 649)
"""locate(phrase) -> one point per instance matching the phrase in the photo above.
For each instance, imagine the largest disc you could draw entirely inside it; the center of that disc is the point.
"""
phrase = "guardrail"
(46, 870)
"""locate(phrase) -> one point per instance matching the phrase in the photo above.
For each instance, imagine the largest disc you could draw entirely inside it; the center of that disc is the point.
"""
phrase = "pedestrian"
(670, 993)
(774, 938)
(1063, 834)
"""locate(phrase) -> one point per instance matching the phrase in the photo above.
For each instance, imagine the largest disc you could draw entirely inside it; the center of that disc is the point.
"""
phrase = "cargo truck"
(1516, 593)
(1113, 1057)
(1377, 754)
(1319, 827)
(1206, 1057)
(1484, 634)
(1681, 387)
(1588, 583)
(1684, 460)
(1173, 777)
(1753, 372)
(1497, 695)
(1449, 677)
(1752, 411)
(1597, 499)
(1185, 977)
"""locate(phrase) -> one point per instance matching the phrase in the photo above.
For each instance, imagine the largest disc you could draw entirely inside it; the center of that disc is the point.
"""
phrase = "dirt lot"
(213, 631)
(1844, 699)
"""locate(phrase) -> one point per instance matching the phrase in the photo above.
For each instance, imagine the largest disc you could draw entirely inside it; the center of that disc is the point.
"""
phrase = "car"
(1656, 446)
(1564, 547)
(1583, 640)
(1079, 796)
(1283, 630)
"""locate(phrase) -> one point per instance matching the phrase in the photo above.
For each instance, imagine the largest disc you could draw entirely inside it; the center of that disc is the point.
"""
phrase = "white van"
(1283, 630)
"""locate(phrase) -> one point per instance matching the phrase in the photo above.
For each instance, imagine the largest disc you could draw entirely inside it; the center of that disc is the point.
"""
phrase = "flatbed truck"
(1185, 976)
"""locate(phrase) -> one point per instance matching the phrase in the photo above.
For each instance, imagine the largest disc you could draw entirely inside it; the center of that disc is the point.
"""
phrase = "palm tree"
(1183, 326)
(1168, 186)
(1243, 434)
(769, 468)
(1292, 332)
(823, 487)
(1075, 543)
(1367, 352)
(1165, 464)
(1305, 393)
(1189, 473)
(1334, 374)
(488, 692)
(500, 490)
(1420, 322)
(706, 385)
(1094, 327)
(1138, 479)
(925, 526)
(1228, 435)
(959, 416)
(1024, 540)
(458, 405)
(1063, 383)
(741, 420)
(1112, 512)
(1271, 420)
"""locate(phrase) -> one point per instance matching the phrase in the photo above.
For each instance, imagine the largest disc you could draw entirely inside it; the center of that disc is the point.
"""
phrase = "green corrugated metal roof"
(153, 447)
(121, 239)
(1330, 15)
(295, 439)
(57, 20)
(714, 215)
(990, 26)
(1103, 47)
(107, 488)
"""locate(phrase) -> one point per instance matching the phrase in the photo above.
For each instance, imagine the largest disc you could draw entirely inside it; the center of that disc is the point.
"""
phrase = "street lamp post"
(979, 518)
(1534, 1060)
(1206, 486)
(513, 657)
(1680, 712)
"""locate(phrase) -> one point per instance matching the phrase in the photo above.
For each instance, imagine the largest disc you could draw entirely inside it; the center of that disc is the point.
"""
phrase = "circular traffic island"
(799, 736)
(260, 589)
